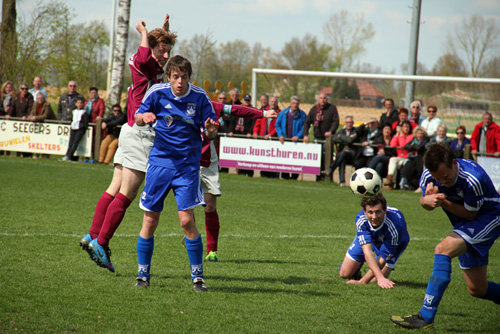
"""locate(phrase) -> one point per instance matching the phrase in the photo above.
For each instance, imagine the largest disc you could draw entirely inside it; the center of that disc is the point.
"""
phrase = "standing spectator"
(486, 137)
(325, 118)
(6, 98)
(112, 125)
(431, 123)
(243, 126)
(402, 116)
(390, 114)
(94, 105)
(67, 102)
(79, 125)
(22, 104)
(40, 112)
(416, 116)
(346, 152)
(395, 163)
(440, 136)
(266, 127)
(458, 144)
(37, 87)
(235, 96)
(224, 120)
(380, 162)
(369, 134)
(290, 124)
(413, 167)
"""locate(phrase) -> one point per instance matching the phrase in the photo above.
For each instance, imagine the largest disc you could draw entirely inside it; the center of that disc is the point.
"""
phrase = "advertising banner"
(270, 156)
(45, 138)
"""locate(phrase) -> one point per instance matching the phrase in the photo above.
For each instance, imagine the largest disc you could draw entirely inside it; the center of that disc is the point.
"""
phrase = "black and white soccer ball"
(365, 182)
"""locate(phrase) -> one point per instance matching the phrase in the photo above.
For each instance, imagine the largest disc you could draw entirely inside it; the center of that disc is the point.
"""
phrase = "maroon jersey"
(145, 73)
(236, 110)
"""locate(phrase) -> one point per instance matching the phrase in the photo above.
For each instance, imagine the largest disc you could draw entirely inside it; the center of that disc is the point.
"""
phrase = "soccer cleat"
(199, 285)
(212, 257)
(412, 322)
(84, 243)
(101, 255)
(63, 159)
(141, 283)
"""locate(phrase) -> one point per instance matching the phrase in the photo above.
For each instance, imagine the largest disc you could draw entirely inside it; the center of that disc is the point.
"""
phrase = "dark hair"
(438, 154)
(432, 107)
(461, 127)
(404, 110)
(178, 63)
(372, 201)
(93, 88)
(116, 106)
(80, 98)
(158, 35)
(388, 99)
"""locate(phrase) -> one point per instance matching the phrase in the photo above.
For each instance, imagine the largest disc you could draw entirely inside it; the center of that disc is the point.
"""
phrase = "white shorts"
(210, 181)
(135, 143)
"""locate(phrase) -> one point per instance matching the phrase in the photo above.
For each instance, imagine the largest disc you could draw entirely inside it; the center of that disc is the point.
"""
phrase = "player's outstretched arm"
(211, 126)
(374, 271)
(141, 28)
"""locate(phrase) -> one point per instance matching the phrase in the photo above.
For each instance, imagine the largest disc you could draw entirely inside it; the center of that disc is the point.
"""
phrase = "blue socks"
(145, 249)
(436, 287)
(195, 254)
(493, 292)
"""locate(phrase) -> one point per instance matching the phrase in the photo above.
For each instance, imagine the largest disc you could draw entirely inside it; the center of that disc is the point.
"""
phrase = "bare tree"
(8, 41)
(348, 35)
(474, 40)
(200, 50)
(119, 54)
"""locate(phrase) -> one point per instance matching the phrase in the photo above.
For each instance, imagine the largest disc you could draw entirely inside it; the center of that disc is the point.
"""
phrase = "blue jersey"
(473, 189)
(179, 119)
(389, 237)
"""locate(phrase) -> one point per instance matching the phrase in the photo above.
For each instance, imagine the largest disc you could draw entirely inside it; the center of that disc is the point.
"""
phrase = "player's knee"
(186, 223)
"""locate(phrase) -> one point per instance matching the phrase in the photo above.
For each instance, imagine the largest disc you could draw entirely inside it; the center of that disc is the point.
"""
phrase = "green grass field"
(280, 248)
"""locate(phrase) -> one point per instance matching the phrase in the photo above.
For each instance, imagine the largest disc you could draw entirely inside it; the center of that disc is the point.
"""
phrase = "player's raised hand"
(141, 26)
(166, 24)
(211, 127)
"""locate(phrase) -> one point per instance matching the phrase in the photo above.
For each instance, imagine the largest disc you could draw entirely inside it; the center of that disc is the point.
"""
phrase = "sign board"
(40, 137)
(492, 168)
(270, 156)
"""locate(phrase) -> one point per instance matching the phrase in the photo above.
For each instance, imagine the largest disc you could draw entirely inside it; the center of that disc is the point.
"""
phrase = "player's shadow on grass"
(412, 285)
(240, 290)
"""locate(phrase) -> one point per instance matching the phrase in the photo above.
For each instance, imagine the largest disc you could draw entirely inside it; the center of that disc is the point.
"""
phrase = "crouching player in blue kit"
(382, 230)
(177, 110)
(467, 195)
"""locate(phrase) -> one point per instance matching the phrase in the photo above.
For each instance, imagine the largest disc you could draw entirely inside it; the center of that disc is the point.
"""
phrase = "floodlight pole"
(412, 56)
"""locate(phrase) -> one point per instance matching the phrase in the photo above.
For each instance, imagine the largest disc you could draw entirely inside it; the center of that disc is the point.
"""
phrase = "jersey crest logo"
(196, 269)
(428, 299)
(191, 109)
(168, 106)
(169, 119)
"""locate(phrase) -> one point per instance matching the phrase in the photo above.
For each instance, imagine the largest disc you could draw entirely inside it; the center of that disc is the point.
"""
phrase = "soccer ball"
(365, 182)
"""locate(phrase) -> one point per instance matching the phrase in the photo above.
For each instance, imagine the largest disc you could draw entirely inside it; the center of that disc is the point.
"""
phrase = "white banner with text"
(492, 168)
(290, 157)
(45, 138)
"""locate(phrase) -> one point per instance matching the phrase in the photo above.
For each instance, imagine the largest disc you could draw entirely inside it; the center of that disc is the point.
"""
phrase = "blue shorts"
(479, 235)
(159, 181)
(355, 253)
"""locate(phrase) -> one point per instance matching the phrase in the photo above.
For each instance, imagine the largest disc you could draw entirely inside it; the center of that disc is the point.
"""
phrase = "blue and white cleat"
(101, 255)
(84, 243)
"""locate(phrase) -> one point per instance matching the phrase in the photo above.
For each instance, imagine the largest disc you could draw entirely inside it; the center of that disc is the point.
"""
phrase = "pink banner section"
(269, 167)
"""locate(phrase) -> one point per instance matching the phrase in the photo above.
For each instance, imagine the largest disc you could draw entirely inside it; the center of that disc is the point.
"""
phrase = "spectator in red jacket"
(265, 127)
(403, 116)
(94, 105)
(486, 137)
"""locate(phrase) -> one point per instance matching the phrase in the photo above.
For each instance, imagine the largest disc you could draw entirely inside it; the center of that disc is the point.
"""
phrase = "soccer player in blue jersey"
(177, 111)
(467, 195)
(380, 230)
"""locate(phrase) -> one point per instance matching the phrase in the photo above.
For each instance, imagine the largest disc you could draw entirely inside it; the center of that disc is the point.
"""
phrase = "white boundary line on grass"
(282, 236)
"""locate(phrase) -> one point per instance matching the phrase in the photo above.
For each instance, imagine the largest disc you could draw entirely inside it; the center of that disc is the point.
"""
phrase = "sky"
(275, 22)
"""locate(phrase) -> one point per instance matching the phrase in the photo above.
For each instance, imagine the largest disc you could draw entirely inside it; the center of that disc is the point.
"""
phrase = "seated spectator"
(395, 163)
(413, 167)
(486, 137)
(79, 125)
(345, 138)
(415, 115)
(290, 124)
(431, 123)
(6, 98)
(37, 87)
(390, 115)
(22, 104)
(458, 144)
(403, 116)
(440, 136)
(369, 134)
(112, 126)
(380, 162)
(94, 105)
(40, 112)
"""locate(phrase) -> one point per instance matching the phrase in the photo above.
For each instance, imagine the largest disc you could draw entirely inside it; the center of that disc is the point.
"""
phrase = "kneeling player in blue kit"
(177, 111)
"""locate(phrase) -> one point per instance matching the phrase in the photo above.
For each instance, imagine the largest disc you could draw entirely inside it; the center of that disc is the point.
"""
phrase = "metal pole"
(254, 87)
(111, 46)
(412, 56)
